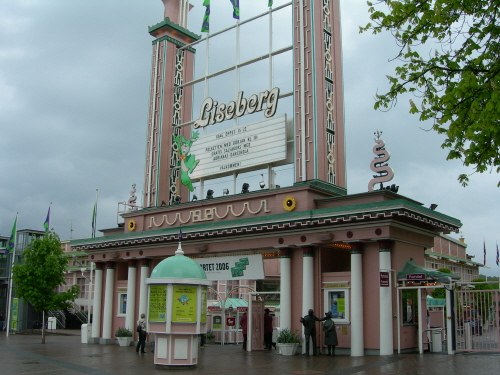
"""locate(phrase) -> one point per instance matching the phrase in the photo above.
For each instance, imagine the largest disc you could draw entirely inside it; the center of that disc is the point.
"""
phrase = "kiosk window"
(410, 306)
(337, 301)
(122, 304)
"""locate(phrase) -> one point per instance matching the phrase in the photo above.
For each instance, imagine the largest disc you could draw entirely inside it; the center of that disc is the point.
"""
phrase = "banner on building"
(240, 267)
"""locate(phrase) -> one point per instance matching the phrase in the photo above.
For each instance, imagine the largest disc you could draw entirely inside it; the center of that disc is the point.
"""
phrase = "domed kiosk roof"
(179, 267)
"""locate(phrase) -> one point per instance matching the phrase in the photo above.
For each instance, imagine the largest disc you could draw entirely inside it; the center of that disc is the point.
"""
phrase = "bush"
(209, 335)
(286, 336)
(123, 332)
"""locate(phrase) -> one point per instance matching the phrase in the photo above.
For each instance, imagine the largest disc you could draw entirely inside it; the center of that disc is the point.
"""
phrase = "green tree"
(449, 53)
(40, 273)
(440, 292)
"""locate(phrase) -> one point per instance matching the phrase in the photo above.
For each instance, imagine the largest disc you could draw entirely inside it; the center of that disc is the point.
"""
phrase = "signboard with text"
(384, 278)
(242, 147)
(415, 276)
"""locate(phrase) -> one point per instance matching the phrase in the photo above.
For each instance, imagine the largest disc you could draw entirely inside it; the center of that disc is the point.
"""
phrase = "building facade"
(450, 253)
(337, 252)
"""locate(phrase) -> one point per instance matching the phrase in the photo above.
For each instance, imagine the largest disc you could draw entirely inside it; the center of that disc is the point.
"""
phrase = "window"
(337, 301)
(122, 304)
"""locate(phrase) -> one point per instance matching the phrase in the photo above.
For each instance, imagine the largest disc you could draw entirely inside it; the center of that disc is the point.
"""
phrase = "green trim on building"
(174, 26)
(368, 209)
(174, 41)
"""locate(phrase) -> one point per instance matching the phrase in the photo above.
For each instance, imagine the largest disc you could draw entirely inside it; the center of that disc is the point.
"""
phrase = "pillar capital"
(99, 266)
(285, 252)
(144, 262)
(110, 265)
(308, 251)
(132, 263)
(385, 246)
(357, 247)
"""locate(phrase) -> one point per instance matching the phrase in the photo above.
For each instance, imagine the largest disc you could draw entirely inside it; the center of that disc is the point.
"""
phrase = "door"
(257, 317)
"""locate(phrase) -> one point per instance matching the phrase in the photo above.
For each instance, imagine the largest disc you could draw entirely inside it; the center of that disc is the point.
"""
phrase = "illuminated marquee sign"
(242, 147)
(212, 112)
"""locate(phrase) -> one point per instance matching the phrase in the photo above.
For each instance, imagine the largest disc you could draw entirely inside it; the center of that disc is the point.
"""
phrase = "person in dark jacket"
(142, 333)
(309, 322)
(329, 328)
(244, 328)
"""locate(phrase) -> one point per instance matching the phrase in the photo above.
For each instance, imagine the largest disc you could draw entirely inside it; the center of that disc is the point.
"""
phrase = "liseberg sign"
(240, 148)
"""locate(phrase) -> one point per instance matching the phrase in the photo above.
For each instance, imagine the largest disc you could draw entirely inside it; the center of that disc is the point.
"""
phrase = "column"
(107, 318)
(143, 288)
(129, 315)
(285, 288)
(386, 330)
(96, 316)
(357, 312)
(307, 284)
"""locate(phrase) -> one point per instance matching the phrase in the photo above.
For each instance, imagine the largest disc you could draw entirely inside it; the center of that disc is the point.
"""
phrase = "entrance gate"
(477, 320)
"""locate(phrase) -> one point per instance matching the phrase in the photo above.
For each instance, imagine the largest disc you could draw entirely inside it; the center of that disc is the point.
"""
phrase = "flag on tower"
(270, 3)
(94, 215)
(46, 225)
(484, 247)
(236, 9)
(205, 27)
(11, 244)
(497, 255)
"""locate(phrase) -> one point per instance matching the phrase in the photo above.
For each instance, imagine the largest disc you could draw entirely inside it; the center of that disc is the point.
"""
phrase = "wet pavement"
(65, 354)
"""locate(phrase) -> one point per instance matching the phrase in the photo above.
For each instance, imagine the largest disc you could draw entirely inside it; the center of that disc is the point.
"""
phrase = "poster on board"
(157, 303)
(184, 304)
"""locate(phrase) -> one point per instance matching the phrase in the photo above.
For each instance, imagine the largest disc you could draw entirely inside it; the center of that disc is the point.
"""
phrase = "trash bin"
(437, 341)
(51, 323)
(86, 333)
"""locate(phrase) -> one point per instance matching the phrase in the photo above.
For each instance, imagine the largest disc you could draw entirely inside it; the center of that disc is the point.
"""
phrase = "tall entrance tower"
(309, 60)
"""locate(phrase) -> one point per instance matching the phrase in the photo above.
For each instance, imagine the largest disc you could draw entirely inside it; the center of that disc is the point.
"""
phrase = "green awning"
(410, 267)
(234, 303)
(436, 302)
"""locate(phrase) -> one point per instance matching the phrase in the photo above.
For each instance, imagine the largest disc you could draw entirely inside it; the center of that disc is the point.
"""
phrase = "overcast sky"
(74, 86)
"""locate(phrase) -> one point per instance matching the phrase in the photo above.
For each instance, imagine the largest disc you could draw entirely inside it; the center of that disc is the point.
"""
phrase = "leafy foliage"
(449, 53)
(41, 272)
(440, 292)
(287, 336)
(123, 332)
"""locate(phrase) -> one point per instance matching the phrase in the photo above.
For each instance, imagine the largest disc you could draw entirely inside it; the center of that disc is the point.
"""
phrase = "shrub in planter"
(286, 336)
(123, 332)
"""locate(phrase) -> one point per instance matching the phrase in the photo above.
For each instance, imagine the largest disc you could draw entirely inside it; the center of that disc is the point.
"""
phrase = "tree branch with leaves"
(450, 60)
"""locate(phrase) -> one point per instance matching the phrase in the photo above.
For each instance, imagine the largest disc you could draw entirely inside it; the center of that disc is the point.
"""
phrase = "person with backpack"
(141, 329)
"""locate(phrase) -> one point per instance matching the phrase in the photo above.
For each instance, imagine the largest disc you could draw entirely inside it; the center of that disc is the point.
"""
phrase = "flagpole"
(13, 254)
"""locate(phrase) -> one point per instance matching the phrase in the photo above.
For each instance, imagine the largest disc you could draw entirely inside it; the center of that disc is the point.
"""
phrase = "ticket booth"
(177, 310)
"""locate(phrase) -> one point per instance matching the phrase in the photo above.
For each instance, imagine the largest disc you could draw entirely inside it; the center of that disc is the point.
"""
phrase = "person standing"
(142, 334)
(244, 328)
(268, 330)
(309, 322)
(2, 319)
(329, 328)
